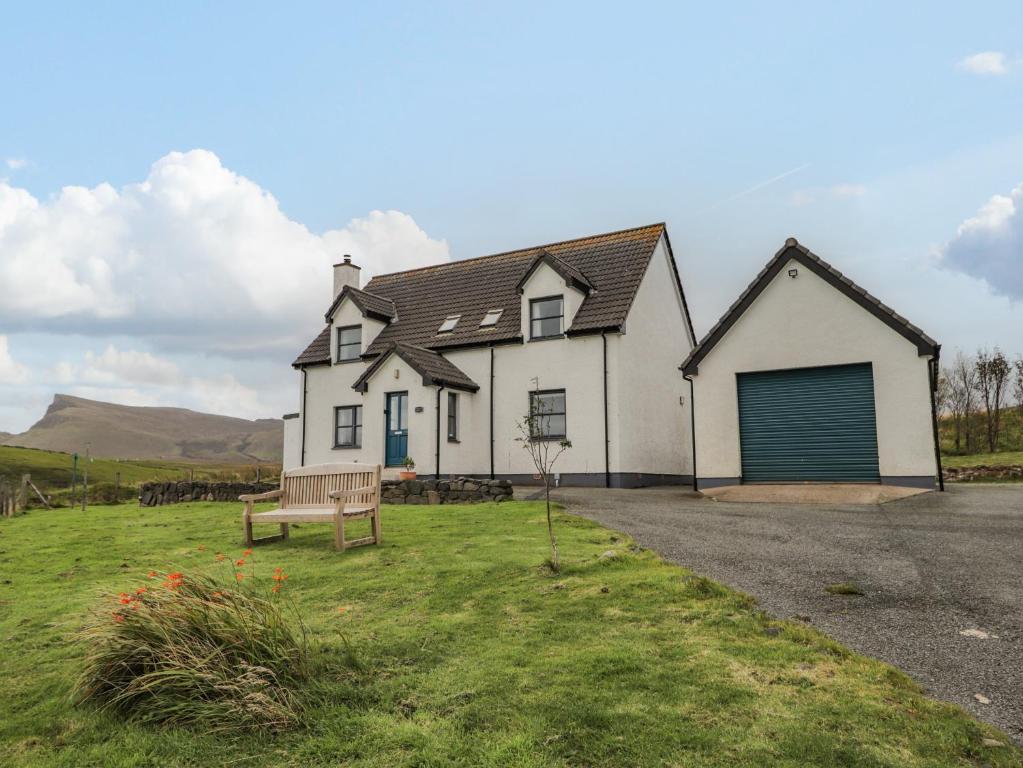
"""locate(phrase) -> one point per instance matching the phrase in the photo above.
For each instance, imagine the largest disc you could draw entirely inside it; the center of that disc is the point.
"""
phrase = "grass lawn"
(471, 653)
(990, 459)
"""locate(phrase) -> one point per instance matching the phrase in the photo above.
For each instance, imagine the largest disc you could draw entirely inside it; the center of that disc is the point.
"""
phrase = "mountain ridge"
(150, 432)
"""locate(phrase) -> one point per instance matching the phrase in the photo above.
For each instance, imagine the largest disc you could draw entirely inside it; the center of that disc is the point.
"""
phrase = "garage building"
(809, 378)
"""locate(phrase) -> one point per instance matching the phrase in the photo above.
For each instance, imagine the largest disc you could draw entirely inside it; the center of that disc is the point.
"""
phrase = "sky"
(176, 180)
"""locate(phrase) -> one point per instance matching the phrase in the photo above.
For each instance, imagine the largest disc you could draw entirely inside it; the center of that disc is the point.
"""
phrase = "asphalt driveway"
(931, 568)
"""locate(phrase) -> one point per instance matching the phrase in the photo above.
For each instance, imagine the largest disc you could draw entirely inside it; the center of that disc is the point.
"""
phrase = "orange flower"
(152, 574)
(343, 609)
(247, 552)
(276, 588)
(278, 569)
(239, 576)
(218, 594)
(176, 576)
(220, 557)
(125, 600)
(134, 606)
(240, 562)
(140, 590)
(118, 617)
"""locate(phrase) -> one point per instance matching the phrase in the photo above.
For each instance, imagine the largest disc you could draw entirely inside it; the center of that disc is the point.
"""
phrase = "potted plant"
(409, 473)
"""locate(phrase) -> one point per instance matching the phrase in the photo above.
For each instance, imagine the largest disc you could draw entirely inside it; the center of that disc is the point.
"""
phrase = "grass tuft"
(194, 652)
(843, 588)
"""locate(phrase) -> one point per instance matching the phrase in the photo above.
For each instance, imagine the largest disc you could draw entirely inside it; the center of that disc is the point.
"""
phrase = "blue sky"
(478, 128)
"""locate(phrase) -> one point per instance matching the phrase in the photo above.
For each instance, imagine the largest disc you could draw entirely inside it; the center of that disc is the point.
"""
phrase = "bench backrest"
(309, 486)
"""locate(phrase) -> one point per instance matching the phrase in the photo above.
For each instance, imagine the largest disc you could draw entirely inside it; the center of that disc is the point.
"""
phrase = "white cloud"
(195, 256)
(134, 377)
(16, 163)
(11, 371)
(989, 245)
(985, 63)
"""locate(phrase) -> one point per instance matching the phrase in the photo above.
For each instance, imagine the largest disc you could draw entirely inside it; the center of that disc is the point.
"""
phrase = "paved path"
(931, 567)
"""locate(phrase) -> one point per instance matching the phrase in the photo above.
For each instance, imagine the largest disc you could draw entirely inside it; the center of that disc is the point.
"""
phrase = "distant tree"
(544, 440)
(1017, 387)
(992, 379)
(962, 386)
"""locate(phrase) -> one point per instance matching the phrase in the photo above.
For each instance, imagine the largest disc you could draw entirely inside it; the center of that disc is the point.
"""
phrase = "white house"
(441, 363)
(809, 378)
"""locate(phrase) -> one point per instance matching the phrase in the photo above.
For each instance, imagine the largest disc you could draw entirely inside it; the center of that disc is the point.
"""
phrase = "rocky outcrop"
(463, 490)
(983, 472)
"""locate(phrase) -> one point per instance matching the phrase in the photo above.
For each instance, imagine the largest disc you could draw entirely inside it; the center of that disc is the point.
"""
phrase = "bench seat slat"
(310, 514)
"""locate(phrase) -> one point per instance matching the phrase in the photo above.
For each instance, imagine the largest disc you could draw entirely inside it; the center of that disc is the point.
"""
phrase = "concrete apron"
(825, 493)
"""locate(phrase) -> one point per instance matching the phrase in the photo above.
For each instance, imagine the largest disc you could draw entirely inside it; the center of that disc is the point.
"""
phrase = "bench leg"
(247, 524)
(284, 531)
(374, 522)
(339, 527)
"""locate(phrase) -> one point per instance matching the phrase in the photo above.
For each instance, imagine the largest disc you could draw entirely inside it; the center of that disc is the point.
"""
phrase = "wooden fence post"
(117, 486)
(23, 493)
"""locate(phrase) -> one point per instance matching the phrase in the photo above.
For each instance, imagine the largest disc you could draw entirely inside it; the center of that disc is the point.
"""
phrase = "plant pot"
(407, 475)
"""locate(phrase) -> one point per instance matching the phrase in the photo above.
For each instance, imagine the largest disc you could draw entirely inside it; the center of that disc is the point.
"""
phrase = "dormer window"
(349, 343)
(449, 324)
(490, 319)
(546, 317)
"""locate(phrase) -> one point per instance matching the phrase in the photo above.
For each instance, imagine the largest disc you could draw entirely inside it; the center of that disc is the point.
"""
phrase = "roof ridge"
(661, 224)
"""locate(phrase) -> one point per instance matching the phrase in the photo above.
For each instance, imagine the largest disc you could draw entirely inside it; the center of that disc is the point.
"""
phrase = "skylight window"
(491, 318)
(449, 324)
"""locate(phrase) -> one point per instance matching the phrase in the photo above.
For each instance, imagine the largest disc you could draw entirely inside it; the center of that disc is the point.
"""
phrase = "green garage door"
(808, 425)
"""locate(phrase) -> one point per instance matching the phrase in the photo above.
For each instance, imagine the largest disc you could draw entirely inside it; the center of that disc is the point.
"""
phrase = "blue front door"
(396, 419)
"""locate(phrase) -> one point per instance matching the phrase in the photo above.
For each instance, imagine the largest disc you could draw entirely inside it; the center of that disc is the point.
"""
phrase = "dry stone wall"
(983, 472)
(464, 490)
(155, 494)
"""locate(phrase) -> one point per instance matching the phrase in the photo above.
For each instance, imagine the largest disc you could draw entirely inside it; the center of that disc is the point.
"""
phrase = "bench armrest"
(353, 492)
(261, 496)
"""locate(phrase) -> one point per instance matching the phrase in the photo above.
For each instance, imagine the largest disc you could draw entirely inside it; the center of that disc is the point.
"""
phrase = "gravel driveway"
(931, 567)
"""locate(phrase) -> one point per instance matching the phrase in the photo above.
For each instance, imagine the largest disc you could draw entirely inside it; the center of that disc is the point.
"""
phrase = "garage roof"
(792, 250)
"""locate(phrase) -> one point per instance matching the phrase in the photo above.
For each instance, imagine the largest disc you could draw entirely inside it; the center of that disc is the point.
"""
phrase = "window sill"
(454, 440)
(546, 338)
(353, 360)
(548, 439)
(346, 447)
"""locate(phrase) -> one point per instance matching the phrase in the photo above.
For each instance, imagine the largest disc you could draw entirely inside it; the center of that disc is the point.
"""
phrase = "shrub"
(187, 650)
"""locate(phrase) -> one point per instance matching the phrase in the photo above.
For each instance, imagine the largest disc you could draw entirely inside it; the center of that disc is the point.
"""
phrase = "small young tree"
(542, 434)
(992, 377)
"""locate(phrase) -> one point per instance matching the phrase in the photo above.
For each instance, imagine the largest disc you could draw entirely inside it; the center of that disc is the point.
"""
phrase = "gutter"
(932, 375)
(440, 389)
(305, 390)
(692, 425)
(491, 412)
(607, 437)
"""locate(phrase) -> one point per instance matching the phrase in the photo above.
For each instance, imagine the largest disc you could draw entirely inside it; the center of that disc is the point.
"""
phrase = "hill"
(134, 432)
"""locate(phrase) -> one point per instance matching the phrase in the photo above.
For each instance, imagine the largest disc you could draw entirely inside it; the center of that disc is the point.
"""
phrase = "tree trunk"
(555, 566)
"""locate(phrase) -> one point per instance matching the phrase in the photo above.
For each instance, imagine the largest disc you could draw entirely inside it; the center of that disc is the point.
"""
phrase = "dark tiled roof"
(613, 263)
(368, 303)
(317, 352)
(793, 250)
(435, 369)
(562, 267)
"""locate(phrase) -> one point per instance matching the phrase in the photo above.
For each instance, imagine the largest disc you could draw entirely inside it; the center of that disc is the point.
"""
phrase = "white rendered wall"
(293, 442)
(805, 322)
(651, 403)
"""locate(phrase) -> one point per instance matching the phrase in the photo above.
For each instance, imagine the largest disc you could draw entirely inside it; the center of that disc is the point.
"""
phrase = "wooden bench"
(322, 493)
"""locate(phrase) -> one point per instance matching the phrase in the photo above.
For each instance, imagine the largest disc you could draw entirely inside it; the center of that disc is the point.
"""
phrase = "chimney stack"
(345, 273)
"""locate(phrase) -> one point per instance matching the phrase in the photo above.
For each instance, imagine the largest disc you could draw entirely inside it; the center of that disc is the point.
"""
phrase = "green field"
(990, 459)
(470, 653)
(52, 471)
